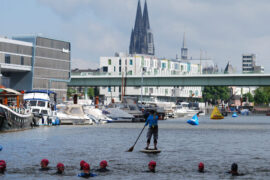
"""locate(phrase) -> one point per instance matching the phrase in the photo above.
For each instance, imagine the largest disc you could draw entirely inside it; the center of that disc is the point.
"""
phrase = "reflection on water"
(217, 143)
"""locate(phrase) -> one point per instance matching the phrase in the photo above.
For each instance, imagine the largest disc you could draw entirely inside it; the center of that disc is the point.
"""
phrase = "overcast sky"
(223, 29)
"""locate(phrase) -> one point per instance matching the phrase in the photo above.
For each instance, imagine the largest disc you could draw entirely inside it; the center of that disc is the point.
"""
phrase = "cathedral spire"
(146, 17)
(139, 18)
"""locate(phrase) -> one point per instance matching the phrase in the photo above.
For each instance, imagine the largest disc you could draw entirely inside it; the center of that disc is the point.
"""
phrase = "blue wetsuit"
(86, 175)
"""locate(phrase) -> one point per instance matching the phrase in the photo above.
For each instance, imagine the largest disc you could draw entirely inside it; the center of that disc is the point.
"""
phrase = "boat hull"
(12, 121)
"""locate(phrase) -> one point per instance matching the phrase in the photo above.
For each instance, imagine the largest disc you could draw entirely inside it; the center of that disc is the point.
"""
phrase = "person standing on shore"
(152, 120)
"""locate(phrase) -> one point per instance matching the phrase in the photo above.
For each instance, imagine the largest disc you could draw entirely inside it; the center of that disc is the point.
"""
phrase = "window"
(105, 69)
(114, 69)
(146, 90)
(120, 69)
(166, 91)
(7, 59)
(109, 89)
(22, 60)
(120, 62)
(130, 62)
(119, 89)
(109, 62)
(163, 65)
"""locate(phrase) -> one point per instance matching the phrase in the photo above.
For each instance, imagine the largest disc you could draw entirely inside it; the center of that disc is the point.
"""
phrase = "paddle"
(131, 149)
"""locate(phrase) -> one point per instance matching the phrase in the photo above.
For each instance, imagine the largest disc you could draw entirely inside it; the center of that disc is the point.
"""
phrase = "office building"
(35, 63)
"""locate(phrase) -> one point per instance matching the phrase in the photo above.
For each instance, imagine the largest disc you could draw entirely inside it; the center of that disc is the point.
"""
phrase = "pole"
(142, 86)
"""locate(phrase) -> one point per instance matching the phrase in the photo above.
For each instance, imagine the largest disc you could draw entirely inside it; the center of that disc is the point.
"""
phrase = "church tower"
(141, 40)
(184, 49)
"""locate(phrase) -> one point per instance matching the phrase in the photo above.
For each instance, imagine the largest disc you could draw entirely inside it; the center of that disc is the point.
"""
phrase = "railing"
(153, 73)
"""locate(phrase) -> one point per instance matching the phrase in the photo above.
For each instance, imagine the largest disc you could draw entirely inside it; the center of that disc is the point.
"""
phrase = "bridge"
(171, 80)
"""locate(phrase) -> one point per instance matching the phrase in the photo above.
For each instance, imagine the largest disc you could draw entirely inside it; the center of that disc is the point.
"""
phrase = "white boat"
(130, 106)
(42, 104)
(183, 110)
(96, 115)
(118, 115)
(73, 115)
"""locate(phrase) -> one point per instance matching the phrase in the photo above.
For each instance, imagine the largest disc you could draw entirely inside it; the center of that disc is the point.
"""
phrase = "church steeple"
(141, 41)
(139, 18)
(145, 16)
(184, 49)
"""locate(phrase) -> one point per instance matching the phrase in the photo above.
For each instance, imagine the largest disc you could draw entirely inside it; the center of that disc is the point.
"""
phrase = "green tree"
(213, 93)
(249, 97)
(91, 92)
(261, 97)
(70, 91)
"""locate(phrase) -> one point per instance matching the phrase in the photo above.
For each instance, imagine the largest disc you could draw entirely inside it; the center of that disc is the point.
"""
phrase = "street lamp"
(143, 70)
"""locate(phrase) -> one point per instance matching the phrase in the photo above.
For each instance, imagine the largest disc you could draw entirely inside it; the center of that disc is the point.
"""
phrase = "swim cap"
(2, 165)
(45, 161)
(234, 167)
(60, 165)
(201, 165)
(152, 163)
(103, 163)
(86, 166)
(82, 163)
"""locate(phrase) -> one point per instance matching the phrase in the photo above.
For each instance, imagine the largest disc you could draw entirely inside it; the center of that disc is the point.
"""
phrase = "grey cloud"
(223, 28)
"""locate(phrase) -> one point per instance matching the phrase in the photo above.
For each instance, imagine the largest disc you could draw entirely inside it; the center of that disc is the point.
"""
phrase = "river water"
(217, 143)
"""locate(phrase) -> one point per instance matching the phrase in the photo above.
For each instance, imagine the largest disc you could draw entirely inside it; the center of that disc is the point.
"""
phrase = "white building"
(122, 64)
(249, 64)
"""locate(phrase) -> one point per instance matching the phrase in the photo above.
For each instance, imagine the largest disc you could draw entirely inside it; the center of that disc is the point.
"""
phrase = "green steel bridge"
(91, 80)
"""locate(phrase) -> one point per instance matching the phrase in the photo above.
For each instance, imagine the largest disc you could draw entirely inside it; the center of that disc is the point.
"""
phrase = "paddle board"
(153, 151)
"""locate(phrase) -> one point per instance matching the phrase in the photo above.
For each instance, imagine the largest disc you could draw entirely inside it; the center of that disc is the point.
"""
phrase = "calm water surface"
(244, 140)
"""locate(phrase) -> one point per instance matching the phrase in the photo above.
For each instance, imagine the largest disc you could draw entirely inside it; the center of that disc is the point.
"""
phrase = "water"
(244, 140)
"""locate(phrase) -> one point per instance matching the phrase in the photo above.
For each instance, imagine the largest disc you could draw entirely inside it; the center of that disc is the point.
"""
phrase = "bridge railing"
(149, 73)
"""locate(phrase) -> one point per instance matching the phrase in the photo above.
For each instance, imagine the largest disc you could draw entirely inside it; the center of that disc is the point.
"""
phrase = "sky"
(222, 29)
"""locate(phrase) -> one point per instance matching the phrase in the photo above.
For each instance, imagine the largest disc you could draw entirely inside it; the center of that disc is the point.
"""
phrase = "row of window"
(50, 43)
(14, 59)
(50, 73)
(120, 62)
(14, 48)
(53, 54)
(54, 64)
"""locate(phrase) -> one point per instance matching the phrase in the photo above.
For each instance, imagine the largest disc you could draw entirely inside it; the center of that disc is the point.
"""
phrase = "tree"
(261, 97)
(91, 92)
(248, 97)
(70, 91)
(213, 93)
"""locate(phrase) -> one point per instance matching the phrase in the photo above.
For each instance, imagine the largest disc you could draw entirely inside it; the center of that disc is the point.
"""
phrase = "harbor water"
(217, 143)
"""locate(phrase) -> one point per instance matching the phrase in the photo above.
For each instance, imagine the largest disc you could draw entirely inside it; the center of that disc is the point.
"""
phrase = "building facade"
(144, 65)
(37, 63)
(249, 64)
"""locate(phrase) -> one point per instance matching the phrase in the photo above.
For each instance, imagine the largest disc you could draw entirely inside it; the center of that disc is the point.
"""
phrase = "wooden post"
(18, 101)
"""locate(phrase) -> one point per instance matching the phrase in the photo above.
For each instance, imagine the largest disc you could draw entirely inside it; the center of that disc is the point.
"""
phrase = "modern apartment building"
(144, 65)
(249, 64)
(35, 63)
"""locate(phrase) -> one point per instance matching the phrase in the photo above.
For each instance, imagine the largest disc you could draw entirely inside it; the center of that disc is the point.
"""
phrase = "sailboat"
(216, 114)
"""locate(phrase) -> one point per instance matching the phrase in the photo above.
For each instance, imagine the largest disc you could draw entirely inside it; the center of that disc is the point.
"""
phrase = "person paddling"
(103, 166)
(152, 120)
